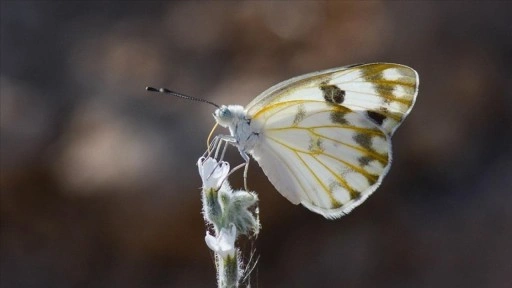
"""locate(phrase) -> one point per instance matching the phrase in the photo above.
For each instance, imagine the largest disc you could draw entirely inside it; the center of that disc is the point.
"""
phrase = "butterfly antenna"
(167, 91)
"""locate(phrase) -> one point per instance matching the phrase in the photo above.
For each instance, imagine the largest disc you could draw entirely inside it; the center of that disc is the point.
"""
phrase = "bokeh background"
(99, 186)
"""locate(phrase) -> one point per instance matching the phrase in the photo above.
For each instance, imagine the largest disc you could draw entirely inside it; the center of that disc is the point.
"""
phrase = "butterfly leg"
(216, 145)
(211, 147)
(246, 169)
(215, 148)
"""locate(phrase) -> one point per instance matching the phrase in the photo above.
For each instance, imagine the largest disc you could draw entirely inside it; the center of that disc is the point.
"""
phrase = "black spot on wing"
(376, 117)
(333, 94)
(364, 140)
(364, 160)
(355, 195)
(338, 117)
(372, 179)
(301, 113)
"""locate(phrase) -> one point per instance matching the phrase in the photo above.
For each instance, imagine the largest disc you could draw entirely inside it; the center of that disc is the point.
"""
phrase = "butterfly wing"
(324, 156)
(324, 137)
(384, 92)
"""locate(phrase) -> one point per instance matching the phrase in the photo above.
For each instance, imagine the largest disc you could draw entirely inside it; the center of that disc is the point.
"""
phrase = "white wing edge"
(347, 208)
(416, 89)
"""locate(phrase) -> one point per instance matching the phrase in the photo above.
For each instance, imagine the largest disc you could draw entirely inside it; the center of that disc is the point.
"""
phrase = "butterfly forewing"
(382, 92)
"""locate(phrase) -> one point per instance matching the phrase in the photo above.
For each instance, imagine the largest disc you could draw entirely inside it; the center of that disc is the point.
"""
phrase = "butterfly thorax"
(235, 118)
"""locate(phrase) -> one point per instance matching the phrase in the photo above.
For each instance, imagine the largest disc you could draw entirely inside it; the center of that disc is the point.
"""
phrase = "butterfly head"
(227, 115)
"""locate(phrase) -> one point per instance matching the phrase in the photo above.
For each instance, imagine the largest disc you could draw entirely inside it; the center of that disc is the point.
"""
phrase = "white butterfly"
(324, 139)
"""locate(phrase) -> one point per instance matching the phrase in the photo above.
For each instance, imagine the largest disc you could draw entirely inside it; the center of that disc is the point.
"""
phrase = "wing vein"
(340, 179)
(292, 171)
(354, 168)
(341, 126)
(318, 180)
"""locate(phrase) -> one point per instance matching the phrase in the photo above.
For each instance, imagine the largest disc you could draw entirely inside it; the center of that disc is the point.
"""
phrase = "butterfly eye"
(223, 116)
(224, 113)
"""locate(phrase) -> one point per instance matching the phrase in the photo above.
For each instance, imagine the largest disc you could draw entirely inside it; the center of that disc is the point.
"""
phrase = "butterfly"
(323, 139)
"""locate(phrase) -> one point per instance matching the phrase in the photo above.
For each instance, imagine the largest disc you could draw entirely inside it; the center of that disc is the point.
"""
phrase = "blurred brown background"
(99, 186)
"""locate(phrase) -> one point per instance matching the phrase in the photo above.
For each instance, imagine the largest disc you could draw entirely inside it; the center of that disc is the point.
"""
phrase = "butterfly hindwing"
(322, 155)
